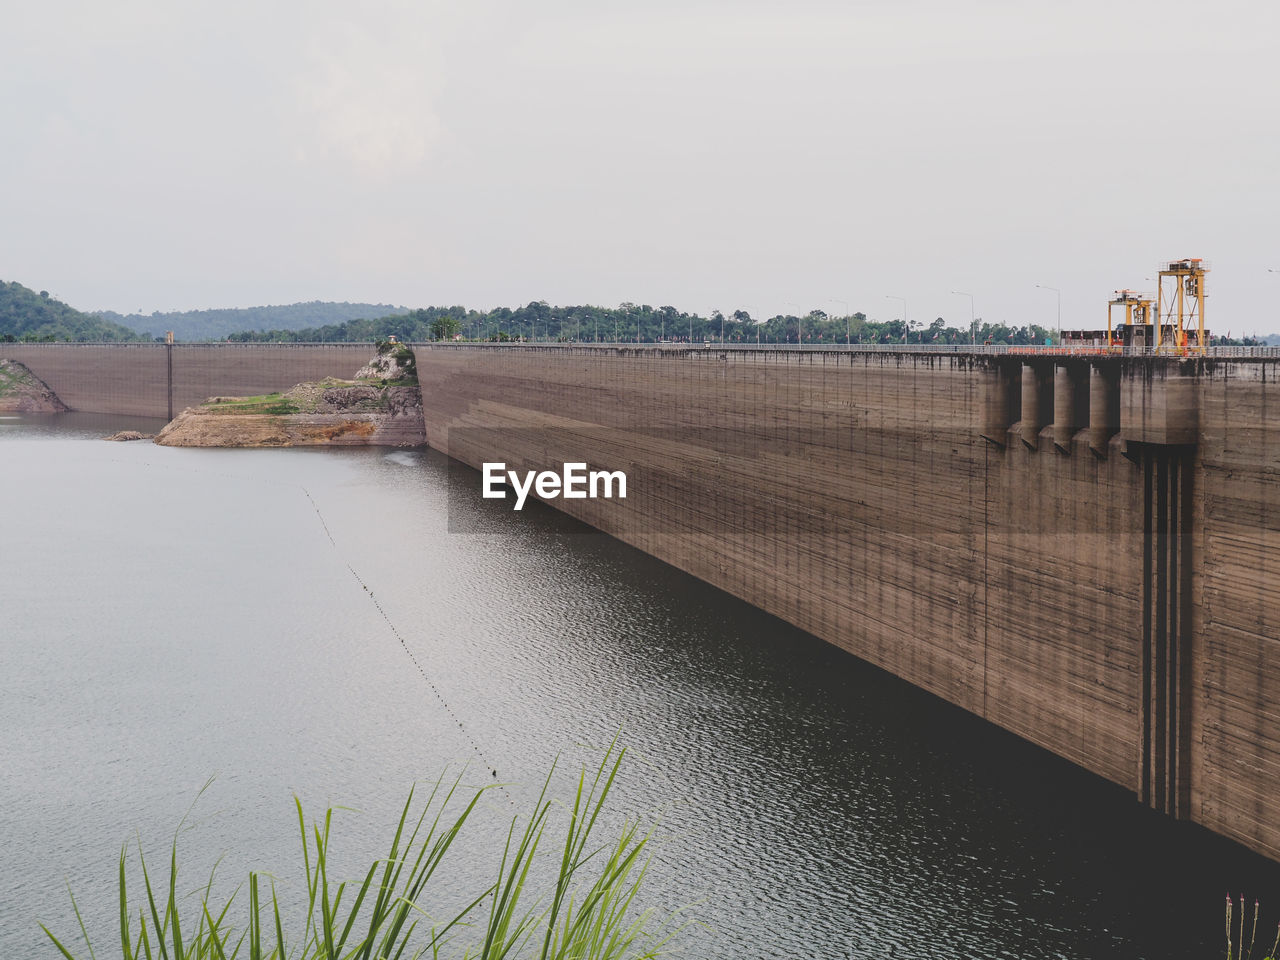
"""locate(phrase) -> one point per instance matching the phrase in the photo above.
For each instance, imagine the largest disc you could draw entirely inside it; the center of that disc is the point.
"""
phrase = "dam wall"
(161, 380)
(1084, 553)
(1235, 747)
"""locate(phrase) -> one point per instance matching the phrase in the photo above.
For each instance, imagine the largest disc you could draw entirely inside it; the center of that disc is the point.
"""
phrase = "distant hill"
(195, 325)
(408, 325)
(27, 315)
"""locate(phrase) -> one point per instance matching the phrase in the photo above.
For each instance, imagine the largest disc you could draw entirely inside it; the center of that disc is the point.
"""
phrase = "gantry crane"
(1180, 311)
(1137, 310)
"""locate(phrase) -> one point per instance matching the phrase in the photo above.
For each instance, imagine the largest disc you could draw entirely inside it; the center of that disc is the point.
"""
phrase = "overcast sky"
(768, 156)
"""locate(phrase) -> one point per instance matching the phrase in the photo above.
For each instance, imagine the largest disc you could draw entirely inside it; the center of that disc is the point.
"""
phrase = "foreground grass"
(588, 912)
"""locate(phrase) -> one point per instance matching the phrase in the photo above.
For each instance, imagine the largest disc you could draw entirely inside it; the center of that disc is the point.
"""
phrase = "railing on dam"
(946, 349)
(1045, 350)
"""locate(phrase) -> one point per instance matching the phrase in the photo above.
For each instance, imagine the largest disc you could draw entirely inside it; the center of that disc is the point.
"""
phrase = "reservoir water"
(303, 623)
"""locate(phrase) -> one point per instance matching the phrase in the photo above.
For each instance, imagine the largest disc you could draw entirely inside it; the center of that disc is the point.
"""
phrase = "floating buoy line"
(403, 645)
(395, 632)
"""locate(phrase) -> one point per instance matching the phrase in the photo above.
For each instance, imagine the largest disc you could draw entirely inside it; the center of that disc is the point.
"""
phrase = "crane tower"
(1180, 310)
(1137, 310)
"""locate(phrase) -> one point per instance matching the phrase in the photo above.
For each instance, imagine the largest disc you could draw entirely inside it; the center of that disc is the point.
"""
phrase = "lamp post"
(973, 324)
(1059, 294)
(848, 323)
(905, 327)
(799, 322)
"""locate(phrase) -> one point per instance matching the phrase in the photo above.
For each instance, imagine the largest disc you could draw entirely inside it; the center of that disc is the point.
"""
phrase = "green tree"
(36, 317)
(445, 327)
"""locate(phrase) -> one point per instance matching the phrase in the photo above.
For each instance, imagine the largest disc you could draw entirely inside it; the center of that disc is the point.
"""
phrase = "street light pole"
(973, 323)
(905, 326)
(799, 323)
(848, 323)
(1059, 293)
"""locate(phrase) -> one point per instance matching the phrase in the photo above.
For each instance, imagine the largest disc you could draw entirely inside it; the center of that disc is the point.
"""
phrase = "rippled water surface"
(300, 622)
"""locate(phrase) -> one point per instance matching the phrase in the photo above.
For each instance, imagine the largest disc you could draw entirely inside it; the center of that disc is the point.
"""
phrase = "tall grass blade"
(126, 946)
(142, 935)
(213, 940)
(172, 909)
(61, 949)
(275, 906)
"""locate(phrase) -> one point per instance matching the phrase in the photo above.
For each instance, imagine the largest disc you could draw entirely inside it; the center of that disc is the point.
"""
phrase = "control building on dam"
(1082, 549)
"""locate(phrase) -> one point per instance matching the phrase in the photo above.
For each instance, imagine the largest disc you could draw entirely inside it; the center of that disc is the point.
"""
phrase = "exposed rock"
(380, 410)
(21, 391)
(392, 362)
(130, 435)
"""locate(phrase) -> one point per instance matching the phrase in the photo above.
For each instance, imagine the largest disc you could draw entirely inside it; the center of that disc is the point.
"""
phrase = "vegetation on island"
(30, 317)
(21, 391)
(589, 909)
(216, 324)
(323, 396)
(394, 364)
(13, 377)
(268, 404)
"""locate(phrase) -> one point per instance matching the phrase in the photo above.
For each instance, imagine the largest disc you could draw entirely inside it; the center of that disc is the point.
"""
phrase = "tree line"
(29, 316)
(539, 321)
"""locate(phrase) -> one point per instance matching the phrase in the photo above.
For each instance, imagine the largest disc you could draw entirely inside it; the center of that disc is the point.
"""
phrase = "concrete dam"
(1083, 550)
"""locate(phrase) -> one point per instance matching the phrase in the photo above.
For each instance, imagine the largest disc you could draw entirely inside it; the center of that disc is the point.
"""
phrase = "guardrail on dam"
(1084, 550)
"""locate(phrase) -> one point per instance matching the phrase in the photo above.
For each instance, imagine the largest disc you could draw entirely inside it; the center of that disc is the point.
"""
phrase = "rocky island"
(21, 391)
(380, 406)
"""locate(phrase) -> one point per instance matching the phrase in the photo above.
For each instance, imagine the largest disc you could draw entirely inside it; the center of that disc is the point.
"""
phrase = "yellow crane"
(1180, 325)
(1137, 310)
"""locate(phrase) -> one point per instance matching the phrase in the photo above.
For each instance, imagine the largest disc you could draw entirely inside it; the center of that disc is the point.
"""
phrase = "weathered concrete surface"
(850, 495)
(1236, 661)
(1058, 591)
(134, 378)
(1159, 402)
